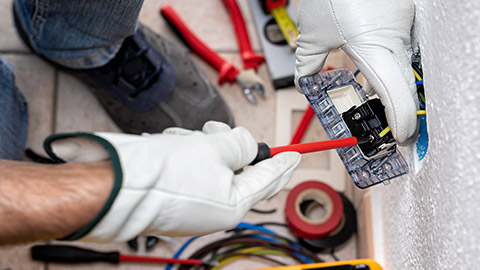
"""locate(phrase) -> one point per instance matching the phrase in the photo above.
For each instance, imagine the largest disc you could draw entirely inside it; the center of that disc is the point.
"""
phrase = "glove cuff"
(117, 169)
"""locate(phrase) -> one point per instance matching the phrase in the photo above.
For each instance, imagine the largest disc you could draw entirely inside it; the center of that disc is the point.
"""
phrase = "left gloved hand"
(376, 36)
(177, 183)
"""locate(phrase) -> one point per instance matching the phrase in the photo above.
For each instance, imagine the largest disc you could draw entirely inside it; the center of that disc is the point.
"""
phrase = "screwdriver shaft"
(303, 148)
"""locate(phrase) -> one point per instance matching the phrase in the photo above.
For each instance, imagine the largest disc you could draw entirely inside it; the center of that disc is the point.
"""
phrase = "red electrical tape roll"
(323, 194)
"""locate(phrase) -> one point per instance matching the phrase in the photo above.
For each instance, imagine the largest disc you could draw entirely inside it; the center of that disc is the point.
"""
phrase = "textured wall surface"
(432, 220)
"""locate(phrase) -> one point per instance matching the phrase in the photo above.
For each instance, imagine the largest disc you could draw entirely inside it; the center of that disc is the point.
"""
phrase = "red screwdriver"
(71, 254)
(264, 151)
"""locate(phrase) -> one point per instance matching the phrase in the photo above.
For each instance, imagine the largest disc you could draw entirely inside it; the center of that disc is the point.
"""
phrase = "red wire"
(132, 258)
(303, 125)
(303, 148)
(305, 122)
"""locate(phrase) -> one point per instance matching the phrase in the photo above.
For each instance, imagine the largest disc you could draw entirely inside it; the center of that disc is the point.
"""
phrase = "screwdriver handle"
(263, 153)
(69, 254)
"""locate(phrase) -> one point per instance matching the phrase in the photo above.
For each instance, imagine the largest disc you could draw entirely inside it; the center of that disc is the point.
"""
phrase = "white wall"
(432, 220)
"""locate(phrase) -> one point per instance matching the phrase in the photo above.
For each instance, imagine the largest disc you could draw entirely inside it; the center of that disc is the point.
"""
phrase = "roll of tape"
(300, 223)
(344, 231)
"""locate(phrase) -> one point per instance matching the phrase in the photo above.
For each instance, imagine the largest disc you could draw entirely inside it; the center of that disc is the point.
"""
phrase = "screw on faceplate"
(383, 161)
(357, 116)
(333, 80)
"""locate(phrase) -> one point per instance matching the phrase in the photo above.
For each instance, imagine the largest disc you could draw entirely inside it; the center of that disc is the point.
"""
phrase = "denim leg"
(13, 115)
(78, 33)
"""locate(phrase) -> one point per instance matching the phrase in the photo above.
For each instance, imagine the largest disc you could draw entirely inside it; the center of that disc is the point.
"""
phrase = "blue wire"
(356, 72)
(243, 225)
(422, 105)
(180, 250)
(305, 259)
(419, 82)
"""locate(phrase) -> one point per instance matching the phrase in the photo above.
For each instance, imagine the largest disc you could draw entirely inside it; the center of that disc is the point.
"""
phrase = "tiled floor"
(60, 103)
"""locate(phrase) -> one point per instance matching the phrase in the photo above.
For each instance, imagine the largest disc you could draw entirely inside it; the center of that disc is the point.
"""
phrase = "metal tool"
(279, 57)
(71, 254)
(250, 59)
(247, 79)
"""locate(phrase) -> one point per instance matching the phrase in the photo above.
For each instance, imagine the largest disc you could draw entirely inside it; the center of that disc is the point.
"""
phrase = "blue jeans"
(74, 33)
(13, 115)
(78, 33)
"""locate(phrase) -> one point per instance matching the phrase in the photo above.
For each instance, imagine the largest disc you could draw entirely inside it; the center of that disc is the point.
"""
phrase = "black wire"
(251, 255)
(238, 231)
(417, 69)
(271, 224)
(37, 158)
(249, 239)
(263, 212)
(332, 252)
(227, 253)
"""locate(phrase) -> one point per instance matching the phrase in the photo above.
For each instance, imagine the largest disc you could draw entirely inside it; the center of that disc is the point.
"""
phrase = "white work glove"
(178, 183)
(376, 36)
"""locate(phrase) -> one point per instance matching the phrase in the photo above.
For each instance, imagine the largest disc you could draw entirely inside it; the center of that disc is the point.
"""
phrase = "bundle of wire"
(248, 241)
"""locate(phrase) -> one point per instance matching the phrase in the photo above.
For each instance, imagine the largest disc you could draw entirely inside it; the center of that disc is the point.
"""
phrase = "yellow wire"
(387, 129)
(384, 132)
(421, 112)
(227, 261)
(416, 75)
(253, 250)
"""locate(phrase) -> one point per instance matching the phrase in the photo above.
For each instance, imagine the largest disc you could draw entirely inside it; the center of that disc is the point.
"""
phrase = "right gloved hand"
(177, 183)
(376, 36)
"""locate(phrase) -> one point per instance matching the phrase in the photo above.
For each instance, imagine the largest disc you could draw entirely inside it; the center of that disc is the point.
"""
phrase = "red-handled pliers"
(247, 79)
(249, 57)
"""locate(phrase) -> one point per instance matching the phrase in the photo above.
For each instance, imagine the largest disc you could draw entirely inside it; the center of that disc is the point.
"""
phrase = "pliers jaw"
(249, 81)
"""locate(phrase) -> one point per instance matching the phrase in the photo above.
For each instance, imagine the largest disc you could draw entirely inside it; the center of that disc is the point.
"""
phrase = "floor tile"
(9, 40)
(35, 79)
(208, 19)
(78, 109)
(17, 257)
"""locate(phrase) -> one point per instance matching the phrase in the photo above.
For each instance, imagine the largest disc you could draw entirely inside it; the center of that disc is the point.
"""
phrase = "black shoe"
(150, 85)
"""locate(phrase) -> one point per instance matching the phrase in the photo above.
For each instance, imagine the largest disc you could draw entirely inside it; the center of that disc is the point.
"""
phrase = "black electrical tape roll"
(347, 227)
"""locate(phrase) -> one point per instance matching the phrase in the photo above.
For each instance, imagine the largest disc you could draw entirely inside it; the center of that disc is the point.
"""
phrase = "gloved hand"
(376, 36)
(177, 183)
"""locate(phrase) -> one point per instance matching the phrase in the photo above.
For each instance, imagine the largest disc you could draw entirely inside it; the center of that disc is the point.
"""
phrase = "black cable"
(251, 255)
(37, 158)
(263, 212)
(416, 67)
(272, 224)
(238, 231)
(236, 249)
(332, 252)
(249, 239)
